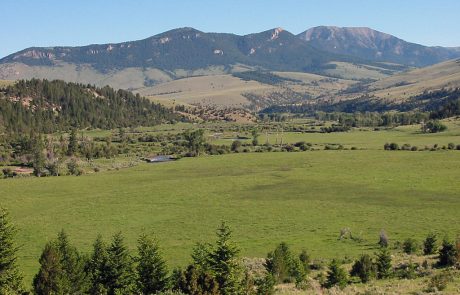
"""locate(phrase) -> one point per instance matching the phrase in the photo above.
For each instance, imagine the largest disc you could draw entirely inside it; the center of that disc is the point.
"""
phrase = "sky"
(27, 23)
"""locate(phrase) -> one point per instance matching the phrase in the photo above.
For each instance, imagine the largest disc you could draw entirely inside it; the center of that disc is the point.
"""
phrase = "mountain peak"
(373, 45)
(331, 32)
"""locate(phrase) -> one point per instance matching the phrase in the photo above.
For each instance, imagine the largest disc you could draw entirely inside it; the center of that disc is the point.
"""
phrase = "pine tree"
(49, 279)
(429, 245)
(10, 278)
(223, 261)
(364, 268)
(73, 143)
(151, 268)
(280, 264)
(98, 268)
(72, 265)
(120, 272)
(38, 160)
(383, 263)
(336, 276)
(447, 254)
(200, 256)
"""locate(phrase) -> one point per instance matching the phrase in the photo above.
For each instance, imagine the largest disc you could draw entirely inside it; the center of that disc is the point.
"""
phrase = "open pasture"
(303, 198)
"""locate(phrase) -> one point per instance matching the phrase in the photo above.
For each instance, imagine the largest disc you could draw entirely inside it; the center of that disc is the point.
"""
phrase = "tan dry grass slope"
(227, 90)
(129, 78)
(219, 90)
(414, 82)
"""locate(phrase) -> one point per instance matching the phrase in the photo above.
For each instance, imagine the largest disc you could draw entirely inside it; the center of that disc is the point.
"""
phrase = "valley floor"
(302, 198)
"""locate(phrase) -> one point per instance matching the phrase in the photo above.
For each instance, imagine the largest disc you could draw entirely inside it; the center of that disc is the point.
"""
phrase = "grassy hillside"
(405, 85)
(301, 198)
(129, 78)
(222, 90)
(4, 83)
(358, 71)
(229, 91)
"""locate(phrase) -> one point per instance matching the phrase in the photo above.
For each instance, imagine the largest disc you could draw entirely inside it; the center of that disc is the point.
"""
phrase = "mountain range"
(187, 52)
(194, 67)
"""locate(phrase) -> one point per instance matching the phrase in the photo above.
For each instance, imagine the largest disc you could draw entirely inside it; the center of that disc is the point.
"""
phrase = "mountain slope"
(417, 81)
(184, 48)
(375, 46)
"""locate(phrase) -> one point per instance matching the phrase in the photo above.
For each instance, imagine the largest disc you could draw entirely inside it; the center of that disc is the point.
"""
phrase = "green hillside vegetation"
(49, 106)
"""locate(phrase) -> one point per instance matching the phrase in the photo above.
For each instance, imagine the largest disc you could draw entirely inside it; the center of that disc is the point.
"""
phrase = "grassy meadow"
(303, 198)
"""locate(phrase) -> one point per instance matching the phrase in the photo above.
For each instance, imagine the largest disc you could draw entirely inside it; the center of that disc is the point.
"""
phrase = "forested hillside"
(49, 106)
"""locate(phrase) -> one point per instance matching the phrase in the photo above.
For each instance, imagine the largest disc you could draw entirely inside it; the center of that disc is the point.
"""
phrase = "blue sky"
(65, 22)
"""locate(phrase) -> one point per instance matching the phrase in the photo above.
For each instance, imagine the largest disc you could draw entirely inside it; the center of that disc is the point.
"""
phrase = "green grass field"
(301, 198)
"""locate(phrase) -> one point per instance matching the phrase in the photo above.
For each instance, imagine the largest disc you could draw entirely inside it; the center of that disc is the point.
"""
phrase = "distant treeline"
(263, 77)
(365, 111)
(373, 119)
(49, 106)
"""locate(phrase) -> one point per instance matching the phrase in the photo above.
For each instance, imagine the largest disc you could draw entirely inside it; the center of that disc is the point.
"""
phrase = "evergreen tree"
(120, 272)
(283, 266)
(429, 245)
(73, 265)
(336, 275)
(97, 268)
(73, 143)
(50, 278)
(223, 261)
(255, 136)
(10, 278)
(200, 256)
(151, 267)
(383, 263)
(265, 285)
(194, 281)
(38, 161)
(410, 246)
(364, 268)
(447, 254)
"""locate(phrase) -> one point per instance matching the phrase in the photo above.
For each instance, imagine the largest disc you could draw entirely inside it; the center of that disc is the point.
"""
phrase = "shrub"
(288, 148)
(451, 146)
(433, 126)
(429, 245)
(364, 268)
(408, 271)
(414, 148)
(410, 246)
(73, 167)
(391, 146)
(439, 281)
(8, 172)
(236, 145)
(406, 147)
(302, 145)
